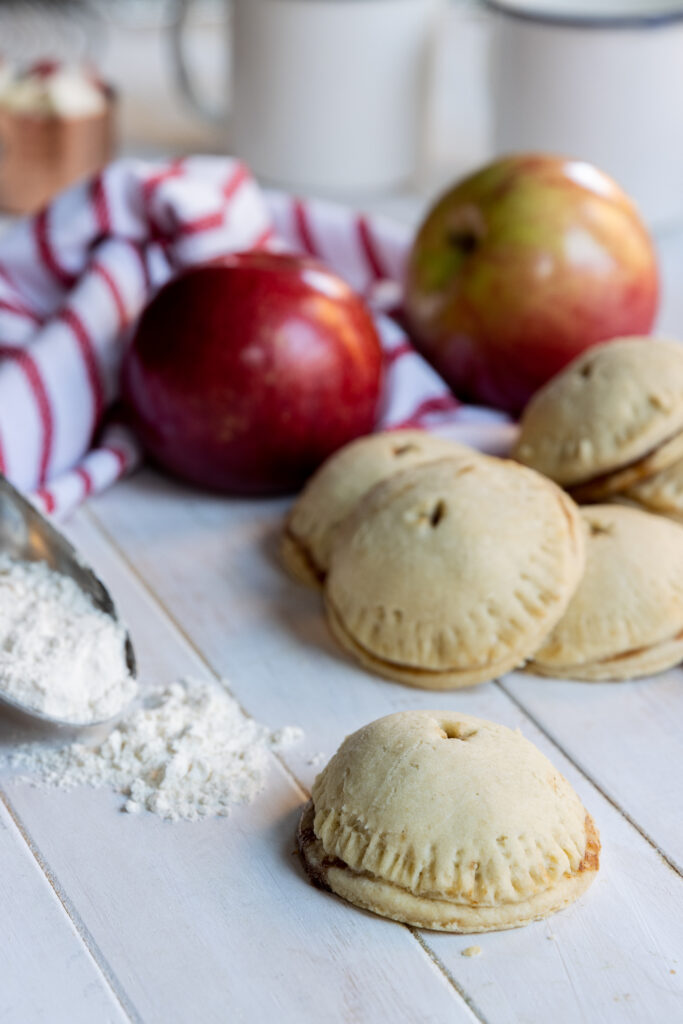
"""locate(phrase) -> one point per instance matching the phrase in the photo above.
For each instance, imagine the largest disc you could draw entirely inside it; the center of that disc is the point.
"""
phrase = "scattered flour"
(59, 654)
(189, 752)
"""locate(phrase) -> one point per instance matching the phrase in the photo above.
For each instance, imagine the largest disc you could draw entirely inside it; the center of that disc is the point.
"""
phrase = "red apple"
(520, 267)
(246, 373)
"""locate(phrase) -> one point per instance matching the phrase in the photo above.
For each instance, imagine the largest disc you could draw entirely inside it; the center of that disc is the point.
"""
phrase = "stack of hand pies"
(611, 425)
(442, 567)
(609, 428)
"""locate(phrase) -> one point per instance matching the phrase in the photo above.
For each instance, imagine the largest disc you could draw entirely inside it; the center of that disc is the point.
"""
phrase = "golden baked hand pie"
(450, 822)
(626, 616)
(613, 417)
(453, 572)
(333, 491)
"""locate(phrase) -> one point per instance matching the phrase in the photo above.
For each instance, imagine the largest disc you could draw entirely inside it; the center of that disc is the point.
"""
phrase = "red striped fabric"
(86, 479)
(154, 210)
(209, 222)
(426, 408)
(47, 498)
(120, 455)
(172, 170)
(86, 347)
(303, 227)
(369, 247)
(47, 254)
(393, 354)
(13, 306)
(100, 205)
(7, 277)
(262, 240)
(150, 187)
(141, 254)
(235, 181)
(30, 369)
(114, 290)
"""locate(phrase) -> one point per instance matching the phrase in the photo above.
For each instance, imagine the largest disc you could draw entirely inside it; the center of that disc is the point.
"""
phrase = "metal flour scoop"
(26, 535)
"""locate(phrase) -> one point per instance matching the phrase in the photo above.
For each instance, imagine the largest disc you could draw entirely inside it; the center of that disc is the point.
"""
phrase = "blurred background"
(431, 114)
(378, 102)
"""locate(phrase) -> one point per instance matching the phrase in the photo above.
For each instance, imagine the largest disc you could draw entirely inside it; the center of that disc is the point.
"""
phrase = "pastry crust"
(638, 473)
(612, 407)
(298, 562)
(662, 492)
(647, 661)
(335, 489)
(626, 616)
(398, 904)
(451, 573)
(449, 822)
(423, 679)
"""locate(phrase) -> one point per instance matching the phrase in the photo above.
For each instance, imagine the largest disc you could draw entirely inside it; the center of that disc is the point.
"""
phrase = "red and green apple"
(519, 268)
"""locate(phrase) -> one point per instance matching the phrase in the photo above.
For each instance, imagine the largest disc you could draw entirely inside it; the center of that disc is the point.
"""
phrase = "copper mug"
(41, 155)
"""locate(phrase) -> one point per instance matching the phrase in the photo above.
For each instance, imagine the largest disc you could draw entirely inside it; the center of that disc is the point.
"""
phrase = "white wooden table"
(110, 917)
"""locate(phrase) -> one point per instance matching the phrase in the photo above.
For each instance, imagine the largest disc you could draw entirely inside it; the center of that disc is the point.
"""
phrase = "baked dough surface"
(626, 616)
(612, 406)
(447, 821)
(459, 566)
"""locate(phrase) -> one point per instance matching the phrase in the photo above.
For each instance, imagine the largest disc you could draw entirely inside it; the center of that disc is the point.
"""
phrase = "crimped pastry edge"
(450, 678)
(454, 679)
(389, 900)
(646, 661)
(423, 679)
(606, 485)
(638, 444)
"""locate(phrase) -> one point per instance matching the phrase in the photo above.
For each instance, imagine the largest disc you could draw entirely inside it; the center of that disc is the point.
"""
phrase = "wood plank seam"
(147, 588)
(166, 612)
(582, 771)
(91, 947)
(107, 536)
(449, 977)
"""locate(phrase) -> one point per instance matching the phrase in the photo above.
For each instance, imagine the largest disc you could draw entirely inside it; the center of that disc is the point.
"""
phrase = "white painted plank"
(46, 972)
(213, 563)
(615, 956)
(200, 552)
(214, 921)
(627, 736)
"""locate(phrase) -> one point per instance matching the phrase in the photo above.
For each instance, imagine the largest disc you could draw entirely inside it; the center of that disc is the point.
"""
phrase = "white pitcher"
(596, 79)
(328, 95)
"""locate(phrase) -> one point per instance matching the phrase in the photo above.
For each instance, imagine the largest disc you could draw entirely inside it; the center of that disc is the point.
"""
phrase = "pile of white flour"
(59, 654)
(189, 752)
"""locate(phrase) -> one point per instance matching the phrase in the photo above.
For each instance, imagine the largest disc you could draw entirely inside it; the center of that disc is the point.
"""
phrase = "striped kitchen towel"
(74, 278)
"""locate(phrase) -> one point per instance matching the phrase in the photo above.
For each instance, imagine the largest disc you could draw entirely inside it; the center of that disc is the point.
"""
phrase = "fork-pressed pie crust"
(453, 572)
(338, 485)
(638, 473)
(447, 821)
(611, 418)
(626, 616)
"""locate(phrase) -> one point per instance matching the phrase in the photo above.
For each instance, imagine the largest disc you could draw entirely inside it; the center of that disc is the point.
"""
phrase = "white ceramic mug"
(597, 79)
(329, 95)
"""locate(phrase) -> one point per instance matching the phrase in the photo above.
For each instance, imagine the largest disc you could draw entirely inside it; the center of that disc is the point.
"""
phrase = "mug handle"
(181, 73)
